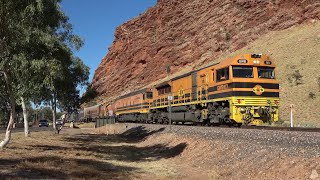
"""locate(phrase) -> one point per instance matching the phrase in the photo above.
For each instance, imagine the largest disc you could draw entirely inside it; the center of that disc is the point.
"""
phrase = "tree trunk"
(7, 137)
(54, 112)
(25, 118)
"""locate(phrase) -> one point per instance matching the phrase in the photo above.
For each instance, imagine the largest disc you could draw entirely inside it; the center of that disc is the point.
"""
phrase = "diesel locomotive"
(236, 91)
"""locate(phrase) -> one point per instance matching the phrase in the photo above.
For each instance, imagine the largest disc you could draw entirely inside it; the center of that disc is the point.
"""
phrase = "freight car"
(236, 91)
(91, 113)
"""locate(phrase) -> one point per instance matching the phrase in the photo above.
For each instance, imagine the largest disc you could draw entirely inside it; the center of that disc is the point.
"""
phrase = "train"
(242, 90)
(91, 113)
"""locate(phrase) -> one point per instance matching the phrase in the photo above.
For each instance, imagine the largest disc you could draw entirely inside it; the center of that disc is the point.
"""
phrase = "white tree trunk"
(54, 112)
(7, 137)
(25, 118)
(54, 119)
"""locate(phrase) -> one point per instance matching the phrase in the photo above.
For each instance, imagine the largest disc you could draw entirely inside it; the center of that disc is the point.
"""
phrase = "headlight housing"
(243, 110)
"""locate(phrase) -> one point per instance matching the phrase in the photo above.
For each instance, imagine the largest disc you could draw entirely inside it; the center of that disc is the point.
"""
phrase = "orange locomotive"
(236, 91)
(133, 106)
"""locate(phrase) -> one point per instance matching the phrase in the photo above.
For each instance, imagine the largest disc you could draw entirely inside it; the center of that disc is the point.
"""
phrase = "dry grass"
(85, 125)
(140, 153)
(80, 154)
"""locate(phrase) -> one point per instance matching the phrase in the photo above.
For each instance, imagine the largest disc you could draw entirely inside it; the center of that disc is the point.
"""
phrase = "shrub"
(168, 68)
(295, 78)
(312, 95)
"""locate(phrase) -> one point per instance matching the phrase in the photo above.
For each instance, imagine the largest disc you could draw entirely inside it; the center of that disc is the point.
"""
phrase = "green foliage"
(4, 110)
(89, 95)
(43, 49)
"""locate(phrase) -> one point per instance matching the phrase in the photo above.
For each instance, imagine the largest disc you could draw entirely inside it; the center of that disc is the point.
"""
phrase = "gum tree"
(36, 42)
(62, 90)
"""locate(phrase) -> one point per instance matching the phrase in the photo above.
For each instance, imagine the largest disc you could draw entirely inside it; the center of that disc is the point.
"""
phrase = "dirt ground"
(140, 153)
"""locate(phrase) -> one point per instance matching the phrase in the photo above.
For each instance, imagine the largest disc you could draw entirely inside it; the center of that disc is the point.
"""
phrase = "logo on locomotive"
(258, 90)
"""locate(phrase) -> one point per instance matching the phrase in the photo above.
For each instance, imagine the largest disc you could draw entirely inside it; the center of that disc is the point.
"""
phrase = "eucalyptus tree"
(69, 94)
(35, 41)
(90, 94)
(4, 104)
(64, 88)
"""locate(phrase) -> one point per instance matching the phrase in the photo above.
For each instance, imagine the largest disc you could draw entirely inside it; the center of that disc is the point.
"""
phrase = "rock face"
(190, 32)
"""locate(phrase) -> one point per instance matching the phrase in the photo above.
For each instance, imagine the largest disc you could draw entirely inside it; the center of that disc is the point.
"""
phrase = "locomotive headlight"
(242, 110)
(256, 62)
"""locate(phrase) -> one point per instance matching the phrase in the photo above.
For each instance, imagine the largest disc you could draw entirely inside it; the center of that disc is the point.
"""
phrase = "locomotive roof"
(178, 75)
(186, 74)
(132, 93)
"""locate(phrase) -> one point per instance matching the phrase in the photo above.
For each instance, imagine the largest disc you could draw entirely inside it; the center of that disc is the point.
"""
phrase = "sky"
(95, 21)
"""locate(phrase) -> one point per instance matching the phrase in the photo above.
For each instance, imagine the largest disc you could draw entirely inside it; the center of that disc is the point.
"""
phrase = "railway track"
(277, 128)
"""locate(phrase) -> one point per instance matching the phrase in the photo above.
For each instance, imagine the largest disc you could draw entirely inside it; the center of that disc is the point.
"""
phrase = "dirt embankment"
(154, 152)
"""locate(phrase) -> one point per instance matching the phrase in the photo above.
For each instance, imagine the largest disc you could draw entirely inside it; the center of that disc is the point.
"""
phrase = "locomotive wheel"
(206, 123)
(238, 125)
(216, 124)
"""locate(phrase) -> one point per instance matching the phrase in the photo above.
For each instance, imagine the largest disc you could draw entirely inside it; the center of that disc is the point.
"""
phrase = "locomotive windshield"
(149, 95)
(242, 72)
(266, 72)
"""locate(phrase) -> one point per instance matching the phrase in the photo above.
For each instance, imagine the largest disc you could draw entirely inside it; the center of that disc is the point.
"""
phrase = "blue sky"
(96, 20)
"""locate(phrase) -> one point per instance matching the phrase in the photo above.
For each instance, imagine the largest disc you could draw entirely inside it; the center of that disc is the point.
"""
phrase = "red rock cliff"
(190, 32)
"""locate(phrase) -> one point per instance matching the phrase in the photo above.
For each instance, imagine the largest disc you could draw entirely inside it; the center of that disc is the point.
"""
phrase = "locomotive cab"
(256, 90)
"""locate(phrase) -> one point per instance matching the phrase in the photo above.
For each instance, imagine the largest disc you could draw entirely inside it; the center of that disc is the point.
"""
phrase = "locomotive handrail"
(161, 100)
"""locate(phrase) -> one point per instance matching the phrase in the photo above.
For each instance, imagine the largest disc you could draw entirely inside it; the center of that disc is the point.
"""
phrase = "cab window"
(223, 74)
(213, 76)
(242, 72)
(149, 95)
(164, 90)
(266, 72)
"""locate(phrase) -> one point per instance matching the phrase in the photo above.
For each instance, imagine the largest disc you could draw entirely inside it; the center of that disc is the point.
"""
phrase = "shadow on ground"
(135, 154)
(132, 135)
(101, 146)
(85, 156)
(54, 167)
(138, 134)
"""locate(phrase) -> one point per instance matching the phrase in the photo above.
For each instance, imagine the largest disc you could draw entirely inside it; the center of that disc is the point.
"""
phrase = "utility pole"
(169, 100)
(291, 115)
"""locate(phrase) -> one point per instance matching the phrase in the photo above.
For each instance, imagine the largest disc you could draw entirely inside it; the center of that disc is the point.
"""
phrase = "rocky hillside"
(184, 33)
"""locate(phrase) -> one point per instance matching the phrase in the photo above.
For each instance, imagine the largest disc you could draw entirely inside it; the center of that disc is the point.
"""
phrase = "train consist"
(92, 113)
(236, 91)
